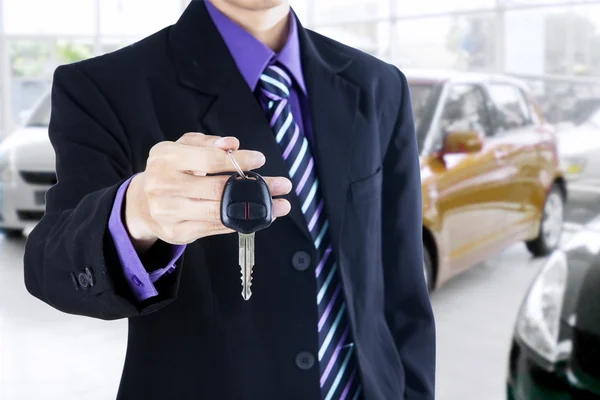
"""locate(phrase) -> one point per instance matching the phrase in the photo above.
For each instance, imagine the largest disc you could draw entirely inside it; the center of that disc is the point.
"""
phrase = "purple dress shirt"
(251, 58)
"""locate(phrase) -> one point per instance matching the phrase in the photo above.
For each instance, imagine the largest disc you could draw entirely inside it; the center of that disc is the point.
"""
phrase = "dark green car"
(555, 352)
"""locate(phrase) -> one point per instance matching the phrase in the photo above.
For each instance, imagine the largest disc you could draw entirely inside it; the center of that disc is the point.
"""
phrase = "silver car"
(27, 171)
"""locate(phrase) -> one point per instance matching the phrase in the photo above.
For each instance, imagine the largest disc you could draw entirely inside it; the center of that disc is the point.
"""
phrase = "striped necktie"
(338, 367)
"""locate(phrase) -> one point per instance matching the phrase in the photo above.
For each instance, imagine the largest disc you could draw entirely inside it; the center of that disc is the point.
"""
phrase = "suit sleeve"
(408, 308)
(70, 258)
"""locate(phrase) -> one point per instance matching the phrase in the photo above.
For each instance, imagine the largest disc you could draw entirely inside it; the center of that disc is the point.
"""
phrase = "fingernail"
(284, 184)
(281, 208)
(287, 209)
(259, 159)
(220, 142)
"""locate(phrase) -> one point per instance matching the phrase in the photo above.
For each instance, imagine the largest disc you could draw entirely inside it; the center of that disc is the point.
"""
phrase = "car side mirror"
(462, 142)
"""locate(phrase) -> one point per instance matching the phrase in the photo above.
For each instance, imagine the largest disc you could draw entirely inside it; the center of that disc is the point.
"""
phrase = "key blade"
(246, 260)
(250, 253)
(246, 294)
(242, 262)
(249, 265)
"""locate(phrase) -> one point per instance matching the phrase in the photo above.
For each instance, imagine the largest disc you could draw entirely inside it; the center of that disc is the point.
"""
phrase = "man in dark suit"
(340, 308)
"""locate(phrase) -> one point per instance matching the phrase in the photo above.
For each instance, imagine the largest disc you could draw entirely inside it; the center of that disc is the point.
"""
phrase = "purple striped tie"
(339, 376)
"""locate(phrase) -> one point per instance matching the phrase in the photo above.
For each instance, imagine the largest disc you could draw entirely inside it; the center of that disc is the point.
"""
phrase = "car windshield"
(423, 97)
(41, 115)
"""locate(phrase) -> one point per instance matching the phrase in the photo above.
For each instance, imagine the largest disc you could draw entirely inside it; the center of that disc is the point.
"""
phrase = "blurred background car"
(26, 172)
(555, 352)
(489, 169)
(579, 143)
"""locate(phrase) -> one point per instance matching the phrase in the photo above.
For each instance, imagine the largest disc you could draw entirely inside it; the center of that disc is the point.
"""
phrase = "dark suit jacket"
(199, 339)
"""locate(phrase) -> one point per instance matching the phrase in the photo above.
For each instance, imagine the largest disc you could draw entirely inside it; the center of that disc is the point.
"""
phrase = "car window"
(40, 117)
(424, 98)
(464, 110)
(511, 107)
(420, 95)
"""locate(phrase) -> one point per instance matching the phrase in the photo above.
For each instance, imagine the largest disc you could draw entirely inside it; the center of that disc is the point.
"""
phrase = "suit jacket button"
(86, 278)
(301, 261)
(305, 360)
(82, 278)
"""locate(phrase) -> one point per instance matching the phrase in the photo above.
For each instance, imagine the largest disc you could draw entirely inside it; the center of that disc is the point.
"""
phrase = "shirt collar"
(251, 56)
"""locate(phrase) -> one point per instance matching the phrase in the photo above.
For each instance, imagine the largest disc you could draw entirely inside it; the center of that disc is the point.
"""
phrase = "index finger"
(212, 160)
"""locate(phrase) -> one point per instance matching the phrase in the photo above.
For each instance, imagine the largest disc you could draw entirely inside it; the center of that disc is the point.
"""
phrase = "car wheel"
(11, 233)
(428, 268)
(551, 225)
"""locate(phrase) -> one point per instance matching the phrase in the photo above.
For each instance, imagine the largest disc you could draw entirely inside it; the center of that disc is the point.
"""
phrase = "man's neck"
(270, 26)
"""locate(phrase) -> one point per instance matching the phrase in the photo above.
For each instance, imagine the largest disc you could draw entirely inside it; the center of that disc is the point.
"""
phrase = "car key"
(246, 207)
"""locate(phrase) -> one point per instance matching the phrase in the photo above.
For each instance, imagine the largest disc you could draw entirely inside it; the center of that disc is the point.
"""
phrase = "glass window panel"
(438, 6)
(32, 64)
(60, 17)
(558, 40)
(586, 39)
(39, 58)
(137, 17)
(517, 3)
(370, 37)
(30, 58)
(463, 42)
(331, 11)
(70, 51)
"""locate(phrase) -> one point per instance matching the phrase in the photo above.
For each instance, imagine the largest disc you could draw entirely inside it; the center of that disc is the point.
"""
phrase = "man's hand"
(173, 199)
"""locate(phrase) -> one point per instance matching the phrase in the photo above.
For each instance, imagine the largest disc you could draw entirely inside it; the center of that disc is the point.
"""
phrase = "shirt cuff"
(138, 279)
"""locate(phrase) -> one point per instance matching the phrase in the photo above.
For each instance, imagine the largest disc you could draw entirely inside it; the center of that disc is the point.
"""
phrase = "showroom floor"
(45, 354)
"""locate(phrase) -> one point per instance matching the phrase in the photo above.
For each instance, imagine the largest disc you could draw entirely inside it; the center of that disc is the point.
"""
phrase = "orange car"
(489, 169)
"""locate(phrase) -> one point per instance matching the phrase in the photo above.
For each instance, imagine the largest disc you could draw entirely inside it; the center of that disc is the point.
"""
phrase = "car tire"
(551, 225)
(11, 233)
(428, 268)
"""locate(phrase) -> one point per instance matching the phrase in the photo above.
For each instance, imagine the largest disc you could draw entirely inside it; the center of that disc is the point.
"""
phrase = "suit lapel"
(333, 103)
(204, 64)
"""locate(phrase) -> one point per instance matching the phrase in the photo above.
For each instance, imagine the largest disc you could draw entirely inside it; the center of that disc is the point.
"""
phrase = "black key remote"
(246, 206)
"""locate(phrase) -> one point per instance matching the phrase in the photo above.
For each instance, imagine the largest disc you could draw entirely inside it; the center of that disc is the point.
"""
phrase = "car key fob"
(246, 205)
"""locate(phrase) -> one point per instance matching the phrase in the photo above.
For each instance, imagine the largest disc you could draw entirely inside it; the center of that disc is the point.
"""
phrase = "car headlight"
(573, 165)
(539, 318)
